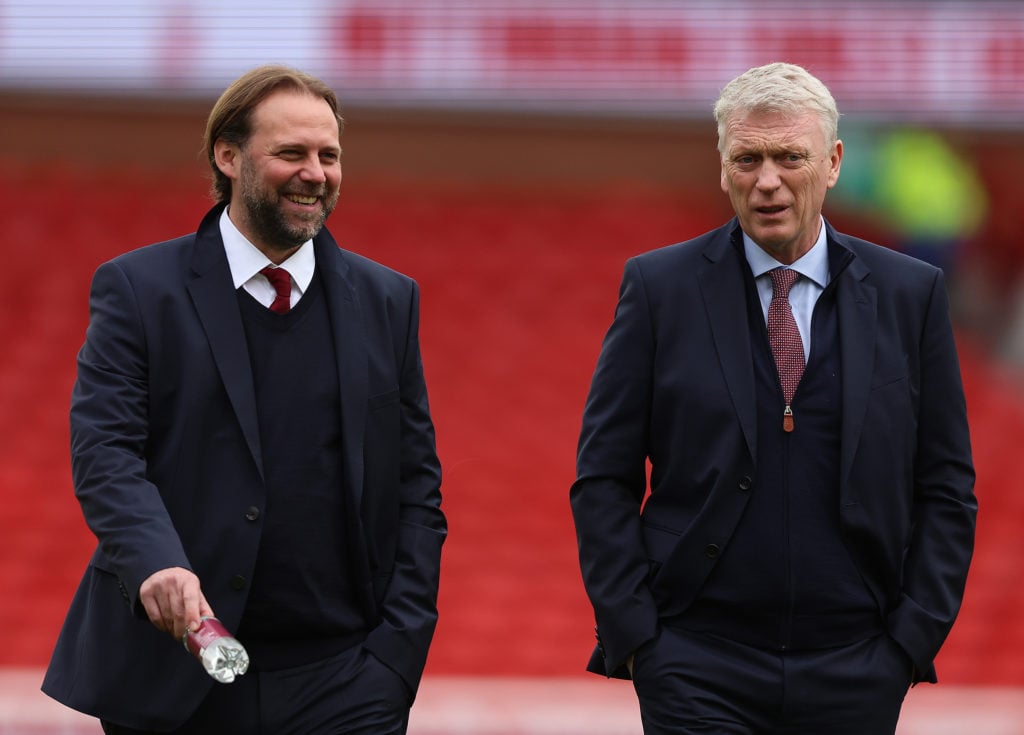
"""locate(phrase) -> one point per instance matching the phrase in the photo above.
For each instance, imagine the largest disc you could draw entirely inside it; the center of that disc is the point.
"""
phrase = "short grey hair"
(777, 87)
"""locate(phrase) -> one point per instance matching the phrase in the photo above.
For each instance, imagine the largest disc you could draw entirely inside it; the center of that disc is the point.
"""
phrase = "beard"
(268, 223)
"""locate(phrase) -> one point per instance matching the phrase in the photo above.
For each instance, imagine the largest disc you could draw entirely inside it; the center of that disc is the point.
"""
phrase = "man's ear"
(227, 157)
(834, 162)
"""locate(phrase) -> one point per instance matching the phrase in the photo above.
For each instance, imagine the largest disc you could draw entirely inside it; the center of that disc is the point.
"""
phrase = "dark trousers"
(689, 683)
(351, 693)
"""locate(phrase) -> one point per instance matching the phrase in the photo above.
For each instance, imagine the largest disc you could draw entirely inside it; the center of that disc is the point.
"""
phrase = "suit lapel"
(720, 281)
(351, 355)
(350, 348)
(856, 304)
(217, 305)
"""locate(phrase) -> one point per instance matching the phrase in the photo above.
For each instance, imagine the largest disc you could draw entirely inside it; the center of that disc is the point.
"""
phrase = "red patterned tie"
(787, 347)
(282, 283)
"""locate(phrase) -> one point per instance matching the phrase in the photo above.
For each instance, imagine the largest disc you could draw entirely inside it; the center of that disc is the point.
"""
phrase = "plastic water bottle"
(218, 651)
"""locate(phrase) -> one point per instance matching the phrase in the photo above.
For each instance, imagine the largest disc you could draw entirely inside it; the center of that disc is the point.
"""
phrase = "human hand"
(173, 600)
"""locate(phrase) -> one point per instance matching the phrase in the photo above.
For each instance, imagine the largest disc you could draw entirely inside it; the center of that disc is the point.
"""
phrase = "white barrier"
(546, 706)
(940, 61)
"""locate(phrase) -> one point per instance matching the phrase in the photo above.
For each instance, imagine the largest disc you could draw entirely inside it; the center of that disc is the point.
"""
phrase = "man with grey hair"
(803, 548)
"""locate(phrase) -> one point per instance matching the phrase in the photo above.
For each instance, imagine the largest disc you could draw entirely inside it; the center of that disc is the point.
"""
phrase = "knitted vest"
(300, 606)
(786, 580)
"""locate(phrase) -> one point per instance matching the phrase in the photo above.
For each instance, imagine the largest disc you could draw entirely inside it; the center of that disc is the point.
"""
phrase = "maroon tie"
(787, 346)
(282, 283)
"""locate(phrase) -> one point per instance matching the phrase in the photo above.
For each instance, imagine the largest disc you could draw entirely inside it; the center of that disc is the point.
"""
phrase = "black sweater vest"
(300, 606)
(786, 580)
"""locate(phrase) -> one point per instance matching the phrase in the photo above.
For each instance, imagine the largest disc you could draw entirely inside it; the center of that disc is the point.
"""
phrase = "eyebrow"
(295, 145)
(747, 150)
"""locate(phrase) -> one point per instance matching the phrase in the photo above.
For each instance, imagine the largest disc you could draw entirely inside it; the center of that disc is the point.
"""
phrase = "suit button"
(711, 551)
(238, 582)
(252, 513)
(745, 483)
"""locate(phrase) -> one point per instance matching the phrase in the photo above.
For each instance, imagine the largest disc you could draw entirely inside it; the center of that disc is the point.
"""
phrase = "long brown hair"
(231, 117)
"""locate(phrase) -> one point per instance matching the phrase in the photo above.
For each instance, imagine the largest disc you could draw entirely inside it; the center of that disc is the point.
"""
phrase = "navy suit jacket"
(166, 461)
(674, 385)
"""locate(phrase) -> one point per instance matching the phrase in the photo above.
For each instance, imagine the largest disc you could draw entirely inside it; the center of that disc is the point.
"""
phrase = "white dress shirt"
(246, 261)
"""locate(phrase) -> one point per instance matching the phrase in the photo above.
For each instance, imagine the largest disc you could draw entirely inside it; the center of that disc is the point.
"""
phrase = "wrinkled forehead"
(770, 129)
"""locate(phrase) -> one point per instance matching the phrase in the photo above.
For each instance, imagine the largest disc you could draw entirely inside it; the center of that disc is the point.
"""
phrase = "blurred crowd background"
(509, 155)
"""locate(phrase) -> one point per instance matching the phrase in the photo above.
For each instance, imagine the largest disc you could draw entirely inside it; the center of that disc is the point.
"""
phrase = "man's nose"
(313, 170)
(768, 177)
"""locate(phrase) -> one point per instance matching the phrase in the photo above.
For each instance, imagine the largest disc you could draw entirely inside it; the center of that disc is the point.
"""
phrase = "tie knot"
(782, 280)
(281, 280)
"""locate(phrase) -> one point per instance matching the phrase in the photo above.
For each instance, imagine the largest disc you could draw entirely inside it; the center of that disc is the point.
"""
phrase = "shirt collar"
(812, 265)
(245, 259)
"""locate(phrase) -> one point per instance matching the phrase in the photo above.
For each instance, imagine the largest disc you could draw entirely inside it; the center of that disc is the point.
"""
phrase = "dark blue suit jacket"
(166, 460)
(675, 384)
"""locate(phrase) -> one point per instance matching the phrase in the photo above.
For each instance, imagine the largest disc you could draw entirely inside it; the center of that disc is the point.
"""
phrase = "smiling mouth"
(300, 199)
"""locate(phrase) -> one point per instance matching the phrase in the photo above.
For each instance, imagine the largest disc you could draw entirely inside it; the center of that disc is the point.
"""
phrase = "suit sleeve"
(109, 434)
(611, 482)
(945, 508)
(409, 608)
